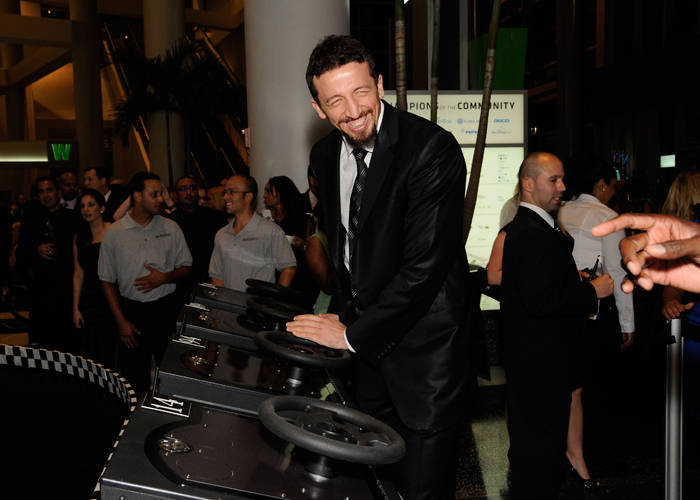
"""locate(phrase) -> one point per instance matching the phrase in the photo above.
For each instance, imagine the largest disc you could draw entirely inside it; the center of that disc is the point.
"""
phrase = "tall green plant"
(181, 83)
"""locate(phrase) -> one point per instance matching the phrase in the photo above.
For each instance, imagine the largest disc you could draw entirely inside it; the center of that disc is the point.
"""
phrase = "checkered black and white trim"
(61, 362)
(77, 366)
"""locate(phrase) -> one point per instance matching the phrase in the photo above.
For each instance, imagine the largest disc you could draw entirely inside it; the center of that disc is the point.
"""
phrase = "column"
(86, 82)
(163, 25)
(279, 37)
(11, 54)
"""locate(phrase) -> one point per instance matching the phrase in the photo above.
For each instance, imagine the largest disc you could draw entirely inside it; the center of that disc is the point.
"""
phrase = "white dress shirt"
(578, 217)
(539, 211)
(348, 172)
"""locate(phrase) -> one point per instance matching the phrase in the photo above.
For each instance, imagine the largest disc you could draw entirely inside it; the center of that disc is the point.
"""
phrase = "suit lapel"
(382, 159)
(336, 236)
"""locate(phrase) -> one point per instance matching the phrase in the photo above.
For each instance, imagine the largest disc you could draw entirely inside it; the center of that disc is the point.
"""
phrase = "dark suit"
(116, 198)
(544, 304)
(50, 280)
(409, 269)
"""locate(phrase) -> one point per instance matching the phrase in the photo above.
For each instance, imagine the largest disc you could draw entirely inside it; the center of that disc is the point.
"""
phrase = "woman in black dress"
(283, 199)
(91, 314)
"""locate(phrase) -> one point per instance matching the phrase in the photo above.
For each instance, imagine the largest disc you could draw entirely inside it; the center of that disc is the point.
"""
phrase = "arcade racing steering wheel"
(332, 430)
(275, 291)
(302, 351)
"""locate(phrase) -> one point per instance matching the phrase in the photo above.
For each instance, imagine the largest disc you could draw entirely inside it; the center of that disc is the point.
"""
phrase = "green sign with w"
(61, 151)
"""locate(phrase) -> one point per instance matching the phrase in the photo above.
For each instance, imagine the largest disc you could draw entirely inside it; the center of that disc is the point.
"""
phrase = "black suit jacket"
(409, 265)
(119, 194)
(544, 305)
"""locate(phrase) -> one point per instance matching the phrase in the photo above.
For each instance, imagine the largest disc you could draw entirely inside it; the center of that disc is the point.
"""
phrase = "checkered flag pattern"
(77, 366)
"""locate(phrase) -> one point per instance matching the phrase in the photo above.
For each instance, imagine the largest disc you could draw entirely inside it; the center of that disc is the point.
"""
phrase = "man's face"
(203, 197)
(94, 182)
(68, 183)
(151, 198)
(548, 187)
(351, 101)
(48, 196)
(187, 194)
(236, 196)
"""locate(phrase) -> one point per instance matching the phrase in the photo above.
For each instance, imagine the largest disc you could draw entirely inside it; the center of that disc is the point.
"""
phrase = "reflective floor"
(624, 438)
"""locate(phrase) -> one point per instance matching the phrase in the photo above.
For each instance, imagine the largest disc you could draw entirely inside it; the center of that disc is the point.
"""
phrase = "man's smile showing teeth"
(359, 123)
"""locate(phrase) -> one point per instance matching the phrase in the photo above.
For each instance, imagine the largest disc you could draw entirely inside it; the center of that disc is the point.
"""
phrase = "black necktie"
(356, 196)
(354, 213)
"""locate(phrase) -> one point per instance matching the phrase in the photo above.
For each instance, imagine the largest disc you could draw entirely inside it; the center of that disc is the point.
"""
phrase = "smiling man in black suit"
(391, 190)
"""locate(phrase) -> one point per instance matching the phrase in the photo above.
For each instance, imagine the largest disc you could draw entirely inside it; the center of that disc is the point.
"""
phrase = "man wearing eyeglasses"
(199, 225)
(251, 246)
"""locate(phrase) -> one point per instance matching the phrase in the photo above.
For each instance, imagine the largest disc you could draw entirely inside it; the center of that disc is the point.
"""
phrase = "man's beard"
(362, 143)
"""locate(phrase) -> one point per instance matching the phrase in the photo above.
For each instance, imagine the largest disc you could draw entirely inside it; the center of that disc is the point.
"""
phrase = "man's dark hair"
(187, 176)
(43, 178)
(68, 170)
(251, 186)
(335, 51)
(138, 182)
(100, 172)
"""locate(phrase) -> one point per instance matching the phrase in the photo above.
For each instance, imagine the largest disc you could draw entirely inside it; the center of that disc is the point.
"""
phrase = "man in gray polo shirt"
(145, 254)
(251, 246)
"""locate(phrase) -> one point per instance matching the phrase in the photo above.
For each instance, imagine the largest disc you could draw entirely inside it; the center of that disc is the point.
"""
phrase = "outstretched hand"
(324, 329)
(668, 253)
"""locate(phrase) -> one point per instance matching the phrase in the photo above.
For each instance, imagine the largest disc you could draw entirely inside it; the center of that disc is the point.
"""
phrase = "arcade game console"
(230, 377)
(175, 449)
(217, 297)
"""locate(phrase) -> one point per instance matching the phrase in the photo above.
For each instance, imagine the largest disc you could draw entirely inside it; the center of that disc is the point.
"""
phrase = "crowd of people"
(108, 265)
(562, 260)
(375, 246)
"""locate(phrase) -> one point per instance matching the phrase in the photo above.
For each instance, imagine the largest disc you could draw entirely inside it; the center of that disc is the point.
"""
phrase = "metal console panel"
(216, 297)
(205, 453)
(208, 372)
(225, 327)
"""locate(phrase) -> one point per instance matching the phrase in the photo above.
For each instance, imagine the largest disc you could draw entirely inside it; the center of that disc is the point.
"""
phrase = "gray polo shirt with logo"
(127, 247)
(256, 252)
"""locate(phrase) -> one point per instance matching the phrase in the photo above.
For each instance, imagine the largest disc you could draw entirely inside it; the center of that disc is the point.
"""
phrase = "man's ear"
(318, 109)
(528, 184)
(380, 87)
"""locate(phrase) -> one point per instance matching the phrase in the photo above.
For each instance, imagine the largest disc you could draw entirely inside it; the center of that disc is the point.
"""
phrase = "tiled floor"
(624, 439)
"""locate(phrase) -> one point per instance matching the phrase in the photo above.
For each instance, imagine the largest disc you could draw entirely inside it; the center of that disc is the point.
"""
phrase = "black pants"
(50, 318)
(156, 322)
(429, 468)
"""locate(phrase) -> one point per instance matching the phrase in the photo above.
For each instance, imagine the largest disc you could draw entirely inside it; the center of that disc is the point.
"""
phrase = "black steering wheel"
(275, 291)
(332, 430)
(276, 313)
(301, 351)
